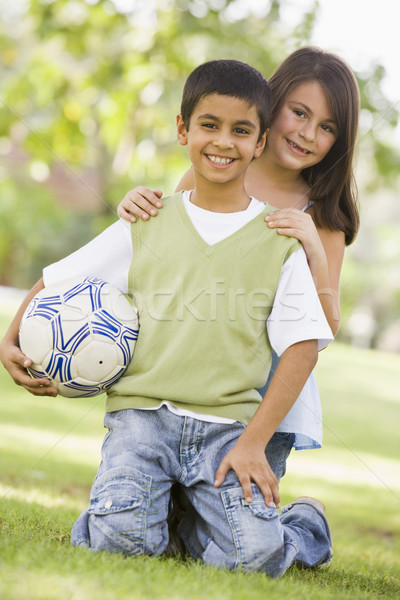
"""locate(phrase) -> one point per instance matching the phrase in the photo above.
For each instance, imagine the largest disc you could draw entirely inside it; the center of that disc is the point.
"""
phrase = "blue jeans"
(145, 453)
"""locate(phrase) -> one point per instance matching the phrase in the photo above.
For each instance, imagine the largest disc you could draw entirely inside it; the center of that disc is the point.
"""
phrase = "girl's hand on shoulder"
(140, 202)
(300, 225)
(16, 363)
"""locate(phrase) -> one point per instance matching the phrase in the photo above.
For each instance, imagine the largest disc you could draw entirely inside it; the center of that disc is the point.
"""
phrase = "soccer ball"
(81, 334)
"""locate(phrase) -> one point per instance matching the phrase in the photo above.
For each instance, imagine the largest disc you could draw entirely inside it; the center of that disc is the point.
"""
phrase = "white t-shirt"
(296, 315)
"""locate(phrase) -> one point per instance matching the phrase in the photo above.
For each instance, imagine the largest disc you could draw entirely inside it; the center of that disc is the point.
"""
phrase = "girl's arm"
(143, 202)
(327, 276)
(324, 250)
(15, 361)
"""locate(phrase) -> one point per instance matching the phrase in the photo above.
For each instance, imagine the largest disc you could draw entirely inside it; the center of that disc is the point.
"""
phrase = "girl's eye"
(328, 128)
(299, 113)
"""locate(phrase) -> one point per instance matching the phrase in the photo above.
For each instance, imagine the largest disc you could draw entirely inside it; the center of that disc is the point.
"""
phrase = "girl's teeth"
(297, 147)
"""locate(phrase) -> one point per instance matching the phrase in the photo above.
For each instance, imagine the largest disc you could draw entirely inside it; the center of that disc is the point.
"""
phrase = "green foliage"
(30, 231)
(379, 117)
(93, 87)
(90, 87)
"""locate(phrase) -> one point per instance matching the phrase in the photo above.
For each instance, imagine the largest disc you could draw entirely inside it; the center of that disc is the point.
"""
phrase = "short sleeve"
(108, 256)
(297, 314)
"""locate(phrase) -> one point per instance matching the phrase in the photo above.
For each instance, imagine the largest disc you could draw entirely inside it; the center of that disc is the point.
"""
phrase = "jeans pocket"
(118, 489)
(119, 504)
(254, 526)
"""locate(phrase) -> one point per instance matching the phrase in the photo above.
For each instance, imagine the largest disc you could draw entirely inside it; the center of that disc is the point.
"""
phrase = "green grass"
(49, 452)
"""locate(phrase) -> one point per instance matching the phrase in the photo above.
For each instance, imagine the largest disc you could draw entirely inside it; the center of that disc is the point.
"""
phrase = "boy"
(186, 410)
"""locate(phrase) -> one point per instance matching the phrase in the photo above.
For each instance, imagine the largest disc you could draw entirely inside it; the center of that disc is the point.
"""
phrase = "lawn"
(50, 450)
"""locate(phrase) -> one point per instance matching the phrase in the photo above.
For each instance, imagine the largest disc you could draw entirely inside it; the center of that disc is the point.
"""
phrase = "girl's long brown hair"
(332, 184)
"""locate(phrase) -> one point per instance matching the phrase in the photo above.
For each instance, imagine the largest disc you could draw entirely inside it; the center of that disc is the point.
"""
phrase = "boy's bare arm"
(15, 361)
(247, 458)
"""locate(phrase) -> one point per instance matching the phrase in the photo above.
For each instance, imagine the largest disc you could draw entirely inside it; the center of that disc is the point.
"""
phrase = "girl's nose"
(308, 132)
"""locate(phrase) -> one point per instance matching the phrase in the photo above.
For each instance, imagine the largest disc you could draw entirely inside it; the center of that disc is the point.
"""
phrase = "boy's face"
(222, 138)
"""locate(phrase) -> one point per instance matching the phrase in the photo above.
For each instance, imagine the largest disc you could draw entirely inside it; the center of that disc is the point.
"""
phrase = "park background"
(88, 98)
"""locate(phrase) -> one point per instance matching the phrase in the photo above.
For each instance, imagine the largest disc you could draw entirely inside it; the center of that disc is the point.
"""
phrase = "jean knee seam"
(291, 543)
(234, 530)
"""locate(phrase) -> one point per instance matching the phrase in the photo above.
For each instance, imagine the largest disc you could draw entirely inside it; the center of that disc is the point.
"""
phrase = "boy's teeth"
(219, 160)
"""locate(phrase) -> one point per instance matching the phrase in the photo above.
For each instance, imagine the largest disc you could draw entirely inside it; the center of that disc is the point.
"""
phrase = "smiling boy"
(220, 148)
(206, 279)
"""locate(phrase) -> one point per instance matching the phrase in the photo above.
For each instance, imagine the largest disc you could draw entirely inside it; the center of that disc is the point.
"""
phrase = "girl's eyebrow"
(308, 109)
(239, 123)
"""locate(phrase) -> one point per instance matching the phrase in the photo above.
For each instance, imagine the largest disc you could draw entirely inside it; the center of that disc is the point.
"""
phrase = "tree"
(90, 89)
(93, 87)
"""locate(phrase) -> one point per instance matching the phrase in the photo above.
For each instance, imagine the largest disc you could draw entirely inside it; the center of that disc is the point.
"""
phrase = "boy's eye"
(209, 125)
(241, 131)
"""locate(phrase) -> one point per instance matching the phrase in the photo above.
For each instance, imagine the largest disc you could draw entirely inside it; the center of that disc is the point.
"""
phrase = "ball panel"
(119, 305)
(85, 297)
(126, 344)
(44, 306)
(35, 338)
(79, 388)
(69, 335)
(37, 371)
(97, 361)
(59, 366)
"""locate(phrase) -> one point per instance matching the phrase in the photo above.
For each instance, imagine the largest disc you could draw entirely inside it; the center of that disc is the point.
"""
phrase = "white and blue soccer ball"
(81, 334)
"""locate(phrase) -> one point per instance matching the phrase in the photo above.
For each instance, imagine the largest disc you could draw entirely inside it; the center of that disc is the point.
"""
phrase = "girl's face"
(304, 130)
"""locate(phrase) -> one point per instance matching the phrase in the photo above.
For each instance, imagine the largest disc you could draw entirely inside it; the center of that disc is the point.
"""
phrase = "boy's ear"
(261, 144)
(181, 130)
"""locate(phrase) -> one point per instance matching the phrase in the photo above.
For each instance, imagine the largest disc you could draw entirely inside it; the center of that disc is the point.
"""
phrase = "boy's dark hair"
(227, 78)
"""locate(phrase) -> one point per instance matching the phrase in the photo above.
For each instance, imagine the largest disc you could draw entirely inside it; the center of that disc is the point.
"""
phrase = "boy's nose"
(223, 140)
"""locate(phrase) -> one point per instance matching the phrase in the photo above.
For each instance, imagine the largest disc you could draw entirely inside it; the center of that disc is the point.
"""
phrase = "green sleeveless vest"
(202, 344)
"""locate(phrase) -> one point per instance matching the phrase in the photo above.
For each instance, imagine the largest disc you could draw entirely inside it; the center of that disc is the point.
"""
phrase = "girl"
(306, 173)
